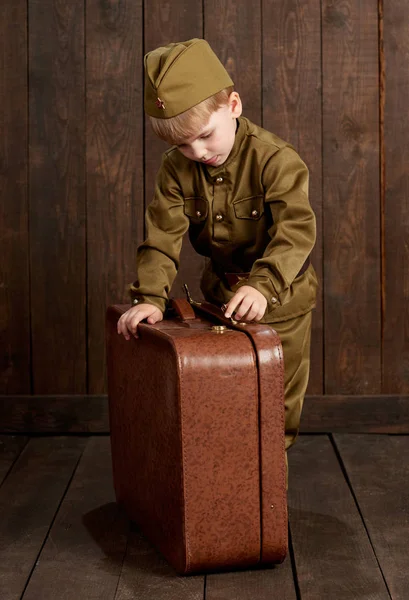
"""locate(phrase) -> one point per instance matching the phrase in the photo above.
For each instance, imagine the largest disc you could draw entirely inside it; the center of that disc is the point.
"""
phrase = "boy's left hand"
(250, 304)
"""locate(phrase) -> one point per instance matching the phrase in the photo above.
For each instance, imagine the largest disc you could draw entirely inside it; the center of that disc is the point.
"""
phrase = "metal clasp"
(219, 328)
(189, 297)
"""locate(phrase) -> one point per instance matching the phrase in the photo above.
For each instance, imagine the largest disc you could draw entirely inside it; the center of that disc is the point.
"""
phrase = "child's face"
(214, 143)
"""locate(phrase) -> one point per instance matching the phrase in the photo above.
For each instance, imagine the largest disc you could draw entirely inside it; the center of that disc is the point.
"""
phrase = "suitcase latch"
(219, 328)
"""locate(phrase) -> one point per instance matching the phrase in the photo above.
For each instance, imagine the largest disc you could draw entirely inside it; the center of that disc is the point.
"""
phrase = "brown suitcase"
(197, 437)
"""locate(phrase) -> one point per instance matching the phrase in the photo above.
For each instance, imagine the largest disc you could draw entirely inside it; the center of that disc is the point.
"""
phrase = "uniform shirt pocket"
(196, 208)
(251, 208)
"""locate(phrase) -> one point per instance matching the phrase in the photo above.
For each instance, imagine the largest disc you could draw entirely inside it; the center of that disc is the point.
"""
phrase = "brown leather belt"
(233, 278)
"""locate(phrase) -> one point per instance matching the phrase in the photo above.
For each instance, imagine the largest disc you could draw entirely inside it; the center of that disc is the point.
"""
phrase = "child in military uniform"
(242, 193)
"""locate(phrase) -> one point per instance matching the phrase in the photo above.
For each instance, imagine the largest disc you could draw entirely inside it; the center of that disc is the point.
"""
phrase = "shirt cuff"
(154, 300)
(265, 287)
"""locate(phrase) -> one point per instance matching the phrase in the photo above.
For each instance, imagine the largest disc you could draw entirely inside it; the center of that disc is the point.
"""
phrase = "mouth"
(211, 161)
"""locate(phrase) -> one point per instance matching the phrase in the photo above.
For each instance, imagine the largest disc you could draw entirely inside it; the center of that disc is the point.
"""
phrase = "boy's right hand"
(128, 322)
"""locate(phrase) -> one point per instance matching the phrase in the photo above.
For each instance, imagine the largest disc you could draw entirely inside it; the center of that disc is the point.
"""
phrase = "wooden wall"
(77, 166)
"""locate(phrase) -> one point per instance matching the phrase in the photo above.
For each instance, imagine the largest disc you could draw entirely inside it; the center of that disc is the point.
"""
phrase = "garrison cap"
(180, 75)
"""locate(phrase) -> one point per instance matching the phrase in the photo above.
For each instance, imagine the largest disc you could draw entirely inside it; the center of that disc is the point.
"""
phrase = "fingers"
(247, 304)
(154, 318)
(233, 304)
(240, 305)
(252, 314)
(256, 312)
(244, 307)
(129, 321)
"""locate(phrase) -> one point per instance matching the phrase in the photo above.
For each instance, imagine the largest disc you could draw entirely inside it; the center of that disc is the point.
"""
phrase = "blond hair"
(186, 125)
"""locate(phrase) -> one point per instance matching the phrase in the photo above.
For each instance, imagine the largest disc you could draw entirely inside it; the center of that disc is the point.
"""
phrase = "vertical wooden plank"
(351, 218)
(114, 163)
(161, 28)
(14, 245)
(233, 29)
(292, 110)
(57, 209)
(395, 366)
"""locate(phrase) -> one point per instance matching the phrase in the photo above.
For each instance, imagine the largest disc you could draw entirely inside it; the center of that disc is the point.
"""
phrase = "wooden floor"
(63, 537)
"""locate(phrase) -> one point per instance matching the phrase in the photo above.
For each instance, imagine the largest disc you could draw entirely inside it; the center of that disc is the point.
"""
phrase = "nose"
(198, 150)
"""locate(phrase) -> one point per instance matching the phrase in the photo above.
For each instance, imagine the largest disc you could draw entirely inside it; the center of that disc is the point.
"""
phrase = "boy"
(242, 193)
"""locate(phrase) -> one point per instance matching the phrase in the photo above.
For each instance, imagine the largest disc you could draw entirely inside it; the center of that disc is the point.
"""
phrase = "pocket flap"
(249, 208)
(196, 208)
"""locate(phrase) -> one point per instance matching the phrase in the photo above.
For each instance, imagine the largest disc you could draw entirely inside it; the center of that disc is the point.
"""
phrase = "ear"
(235, 105)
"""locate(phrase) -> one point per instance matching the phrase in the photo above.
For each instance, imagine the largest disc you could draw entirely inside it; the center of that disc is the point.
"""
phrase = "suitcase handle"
(183, 309)
(186, 311)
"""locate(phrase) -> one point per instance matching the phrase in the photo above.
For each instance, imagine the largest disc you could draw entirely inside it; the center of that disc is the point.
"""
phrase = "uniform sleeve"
(157, 259)
(285, 180)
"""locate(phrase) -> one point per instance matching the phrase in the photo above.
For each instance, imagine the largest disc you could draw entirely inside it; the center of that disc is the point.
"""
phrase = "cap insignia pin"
(160, 104)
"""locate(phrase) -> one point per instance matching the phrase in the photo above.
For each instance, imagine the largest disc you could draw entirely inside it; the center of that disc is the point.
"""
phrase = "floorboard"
(261, 584)
(10, 448)
(378, 469)
(29, 499)
(62, 535)
(147, 576)
(333, 555)
(82, 557)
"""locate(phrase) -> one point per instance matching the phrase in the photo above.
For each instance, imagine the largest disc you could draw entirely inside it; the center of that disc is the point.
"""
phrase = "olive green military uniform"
(249, 215)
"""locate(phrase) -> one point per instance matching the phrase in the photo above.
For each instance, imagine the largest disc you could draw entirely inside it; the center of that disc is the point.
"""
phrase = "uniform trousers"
(295, 336)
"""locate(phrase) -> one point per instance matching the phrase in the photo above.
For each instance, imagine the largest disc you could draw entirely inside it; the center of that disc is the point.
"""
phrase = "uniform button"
(198, 214)
(219, 217)
(254, 213)
(274, 300)
(219, 180)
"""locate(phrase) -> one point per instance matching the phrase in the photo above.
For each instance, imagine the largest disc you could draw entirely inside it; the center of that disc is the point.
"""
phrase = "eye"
(203, 137)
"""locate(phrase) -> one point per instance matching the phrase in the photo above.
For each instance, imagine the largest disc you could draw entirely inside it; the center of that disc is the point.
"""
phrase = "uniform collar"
(239, 138)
